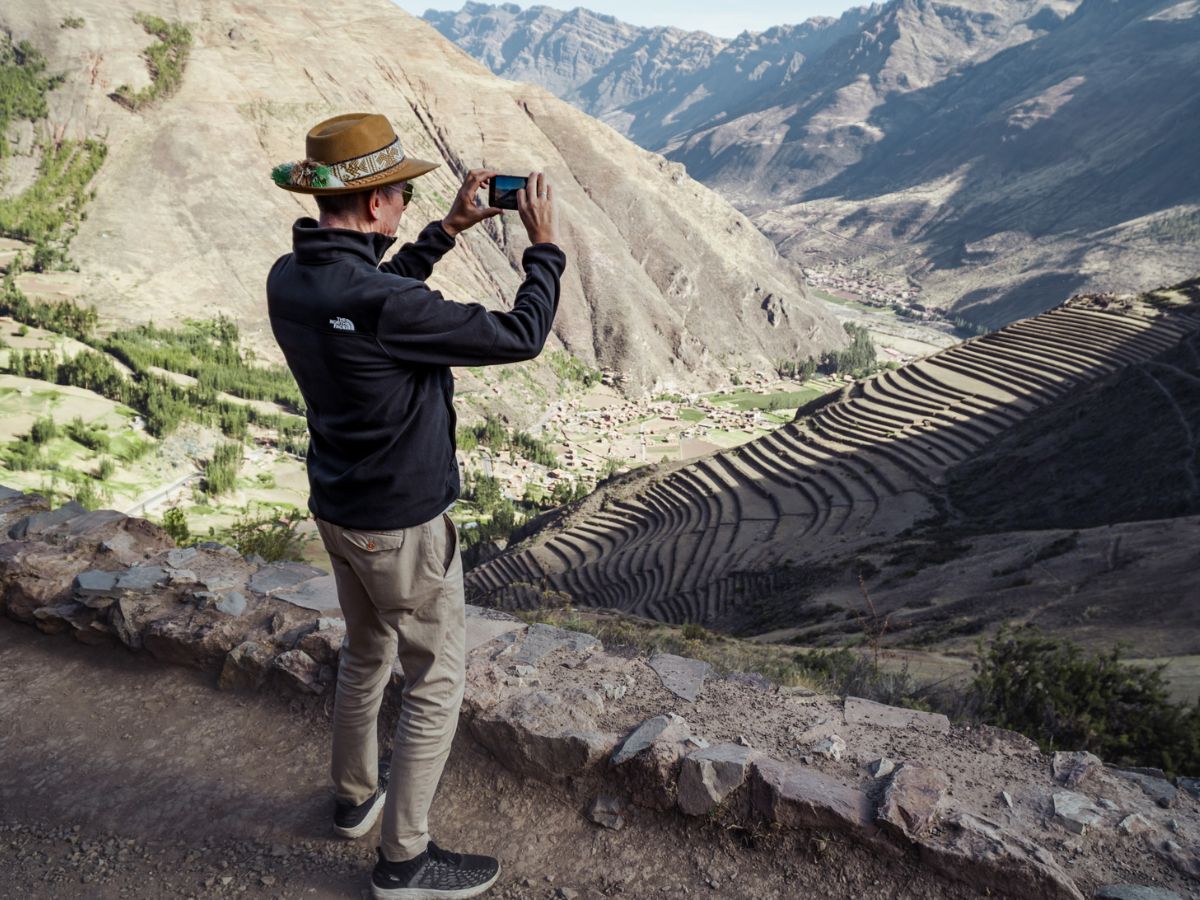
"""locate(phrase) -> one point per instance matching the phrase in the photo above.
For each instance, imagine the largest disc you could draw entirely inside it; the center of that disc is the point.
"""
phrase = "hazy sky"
(725, 19)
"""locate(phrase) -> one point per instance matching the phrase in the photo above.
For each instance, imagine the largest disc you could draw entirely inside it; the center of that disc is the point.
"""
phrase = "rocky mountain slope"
(667, 283)
(1002, 153)
(766, 535)
(874, 801)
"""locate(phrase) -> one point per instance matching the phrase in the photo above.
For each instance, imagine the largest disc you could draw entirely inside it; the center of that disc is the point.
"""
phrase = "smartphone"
(502, 191)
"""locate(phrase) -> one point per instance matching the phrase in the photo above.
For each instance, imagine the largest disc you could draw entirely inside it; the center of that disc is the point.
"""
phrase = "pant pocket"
(393, 567)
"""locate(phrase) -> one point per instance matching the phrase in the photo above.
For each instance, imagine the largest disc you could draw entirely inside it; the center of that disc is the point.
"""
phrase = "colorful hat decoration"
(351, 152)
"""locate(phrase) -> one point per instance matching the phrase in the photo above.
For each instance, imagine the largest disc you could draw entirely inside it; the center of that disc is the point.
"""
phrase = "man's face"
(391, 208)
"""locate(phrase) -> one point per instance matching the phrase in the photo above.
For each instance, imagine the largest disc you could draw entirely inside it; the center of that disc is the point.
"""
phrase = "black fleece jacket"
(371, 347)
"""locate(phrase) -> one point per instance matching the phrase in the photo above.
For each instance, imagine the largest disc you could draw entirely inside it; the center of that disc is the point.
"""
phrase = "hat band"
(369, 164)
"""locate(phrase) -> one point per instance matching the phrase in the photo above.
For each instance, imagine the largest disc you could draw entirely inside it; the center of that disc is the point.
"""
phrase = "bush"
(220, 474)
(71, 22)
(273, 536)
(165, 60)
(1066, 699)
(105, 469)
(175, 524)
(44, 430)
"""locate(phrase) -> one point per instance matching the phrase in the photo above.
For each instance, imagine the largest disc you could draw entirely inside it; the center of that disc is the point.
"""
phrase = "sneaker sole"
(378, 893)
(366, 824)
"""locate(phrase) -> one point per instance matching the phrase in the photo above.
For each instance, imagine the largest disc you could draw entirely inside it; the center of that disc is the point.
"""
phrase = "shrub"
(165, 60)
(1066, 699)
(71, 22)
(175, 524)
(105, 469)
(44, 430)
(220, 474)
(272, 536)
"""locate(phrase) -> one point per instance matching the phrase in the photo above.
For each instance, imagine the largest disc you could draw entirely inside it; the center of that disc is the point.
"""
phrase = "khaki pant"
(401, 593)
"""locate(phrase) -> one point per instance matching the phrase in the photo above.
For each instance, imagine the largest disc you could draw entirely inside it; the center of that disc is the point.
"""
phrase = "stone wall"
(623, 734)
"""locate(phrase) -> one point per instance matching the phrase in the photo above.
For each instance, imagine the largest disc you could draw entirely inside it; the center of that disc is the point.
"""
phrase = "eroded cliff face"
(973, 810)
(666, 283)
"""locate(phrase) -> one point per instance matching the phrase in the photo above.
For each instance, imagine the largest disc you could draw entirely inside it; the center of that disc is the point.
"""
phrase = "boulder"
(1075, 811)
(867, 712)
(232, 603)
(297, 671)
(608, 810)
(680, 675)
(196, 639)
(1073, 769)
(280, 576)
(130, 616)
(992, 860)
(709, 775)
(912, 800)
(539, 734)
(246, 666)
(831, 747)
(69, 616)
(33, 525)
(639, 739)
(800, 797)
(324, 643)
(1133, 892)
(539, 640)
(1154, 786)
(34, 575)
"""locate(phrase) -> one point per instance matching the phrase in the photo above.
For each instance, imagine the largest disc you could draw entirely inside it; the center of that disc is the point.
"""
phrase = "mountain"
(1079, 418)
(999, 153)
(666, 283)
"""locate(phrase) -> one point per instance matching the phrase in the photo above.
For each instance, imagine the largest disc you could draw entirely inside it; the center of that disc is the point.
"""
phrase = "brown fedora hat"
(351, 152)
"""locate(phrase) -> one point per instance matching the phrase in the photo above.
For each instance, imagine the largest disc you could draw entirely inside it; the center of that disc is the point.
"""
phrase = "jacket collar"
(314, 245)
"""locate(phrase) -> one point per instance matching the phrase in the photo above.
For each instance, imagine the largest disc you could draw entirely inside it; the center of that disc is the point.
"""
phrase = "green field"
(748, 400)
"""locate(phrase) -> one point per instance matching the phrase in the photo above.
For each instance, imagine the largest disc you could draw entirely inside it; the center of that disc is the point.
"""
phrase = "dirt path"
(125, 779)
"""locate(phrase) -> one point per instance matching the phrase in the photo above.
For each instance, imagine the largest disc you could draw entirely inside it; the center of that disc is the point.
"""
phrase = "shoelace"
(436, 852)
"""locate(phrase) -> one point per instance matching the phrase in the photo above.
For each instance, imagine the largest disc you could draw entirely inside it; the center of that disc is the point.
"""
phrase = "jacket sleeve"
(416, 258)
(418, 327)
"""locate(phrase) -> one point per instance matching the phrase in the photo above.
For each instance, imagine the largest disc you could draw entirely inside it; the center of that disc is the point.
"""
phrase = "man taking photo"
(371, 347)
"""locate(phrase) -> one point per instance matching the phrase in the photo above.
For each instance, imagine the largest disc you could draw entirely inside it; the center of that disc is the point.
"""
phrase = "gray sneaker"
(436, 874)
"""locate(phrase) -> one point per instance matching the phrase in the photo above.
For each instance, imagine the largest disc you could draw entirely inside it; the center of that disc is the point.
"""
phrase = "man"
(371, 348)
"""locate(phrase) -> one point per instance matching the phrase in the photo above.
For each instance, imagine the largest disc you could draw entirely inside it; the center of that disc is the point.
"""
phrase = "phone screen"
(504, 190)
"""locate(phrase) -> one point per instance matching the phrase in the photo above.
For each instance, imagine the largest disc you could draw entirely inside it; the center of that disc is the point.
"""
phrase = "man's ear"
(374, 202)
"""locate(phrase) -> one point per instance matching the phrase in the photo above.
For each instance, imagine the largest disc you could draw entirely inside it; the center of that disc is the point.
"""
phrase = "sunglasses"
(407, 194)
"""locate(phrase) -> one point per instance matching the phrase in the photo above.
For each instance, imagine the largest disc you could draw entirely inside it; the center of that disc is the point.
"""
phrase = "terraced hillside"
(871, 462)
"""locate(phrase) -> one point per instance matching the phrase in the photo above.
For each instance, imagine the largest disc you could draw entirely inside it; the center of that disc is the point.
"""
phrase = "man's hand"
(466, 210)
(535, 203)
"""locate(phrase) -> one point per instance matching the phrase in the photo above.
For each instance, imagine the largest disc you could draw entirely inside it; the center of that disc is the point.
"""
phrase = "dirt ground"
(125, 779)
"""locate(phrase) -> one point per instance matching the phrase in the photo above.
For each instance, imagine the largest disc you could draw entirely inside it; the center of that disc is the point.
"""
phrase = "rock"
(911, 800)
(197, 639)
(141, 579)
(741, 739)
(566, 893)
(799, 797)
(680, 675)
(867, 712)
(33, 575)
(298, 671)
(280, 576)
(96, 588)
(992, 860)
(1075, 811)
(68, 616)
(318, 594)
(131, 615)
(613, 691)
(217, 547)
(246, 666)
(232, 604)
(324, 644)
(882, 767)
(220, 581)
(180, 557)
(711, 774)
(524, 671)
(35, 524)
(1072, 769)
(831, 747)
(639, 739)
(1157, 788)
(1191, 785)
(751, 679)
(538, 640)
(1133, 892)
(539, 734)
(608, 810)
(1134, 824)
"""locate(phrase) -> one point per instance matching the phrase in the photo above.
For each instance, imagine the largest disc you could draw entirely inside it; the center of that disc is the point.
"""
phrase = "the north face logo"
(342, 324)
